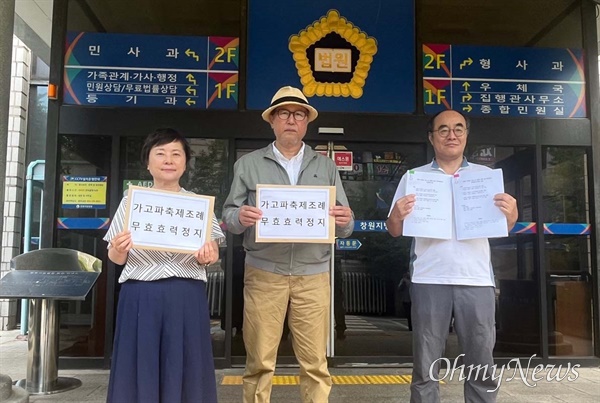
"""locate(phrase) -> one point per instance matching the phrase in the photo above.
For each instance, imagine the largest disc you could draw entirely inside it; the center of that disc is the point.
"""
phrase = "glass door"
(371, 301)
(370, 317)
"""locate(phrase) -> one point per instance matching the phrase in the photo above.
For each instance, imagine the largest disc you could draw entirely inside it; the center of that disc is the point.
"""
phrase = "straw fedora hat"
(289, 96)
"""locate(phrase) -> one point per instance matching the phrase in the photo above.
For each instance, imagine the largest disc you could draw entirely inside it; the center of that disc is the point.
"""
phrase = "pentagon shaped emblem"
(333, 57)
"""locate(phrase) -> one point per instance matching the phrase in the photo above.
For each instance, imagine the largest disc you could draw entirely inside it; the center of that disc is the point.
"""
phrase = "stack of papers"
(463, 203)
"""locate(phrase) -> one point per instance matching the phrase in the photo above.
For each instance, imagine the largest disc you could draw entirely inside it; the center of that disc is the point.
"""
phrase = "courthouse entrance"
(546, 270)
(549, 280)
(370, 321)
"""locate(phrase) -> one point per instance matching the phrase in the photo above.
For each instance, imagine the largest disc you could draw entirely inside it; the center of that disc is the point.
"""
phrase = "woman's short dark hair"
(164, 136)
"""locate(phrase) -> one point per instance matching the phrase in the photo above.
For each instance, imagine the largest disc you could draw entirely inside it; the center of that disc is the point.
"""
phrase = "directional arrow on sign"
(191, 78)
(466, 62)
(347, 244)
(191, 53)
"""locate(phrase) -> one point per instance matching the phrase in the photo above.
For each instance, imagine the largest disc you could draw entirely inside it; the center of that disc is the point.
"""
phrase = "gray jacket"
(261, 167)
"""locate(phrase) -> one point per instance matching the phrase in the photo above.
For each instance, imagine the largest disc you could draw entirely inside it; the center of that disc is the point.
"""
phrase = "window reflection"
(206, 174)
(82, 322)
(568, 264)
(517, 283)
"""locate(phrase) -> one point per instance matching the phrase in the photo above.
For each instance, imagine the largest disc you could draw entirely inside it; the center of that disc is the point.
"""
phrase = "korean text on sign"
(295, 214)
(171, 221)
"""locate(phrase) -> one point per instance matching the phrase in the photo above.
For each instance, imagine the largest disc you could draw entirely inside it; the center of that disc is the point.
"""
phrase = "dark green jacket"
(261, 167)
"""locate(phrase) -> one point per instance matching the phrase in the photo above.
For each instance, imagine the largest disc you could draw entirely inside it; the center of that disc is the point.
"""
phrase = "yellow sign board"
(84, 192)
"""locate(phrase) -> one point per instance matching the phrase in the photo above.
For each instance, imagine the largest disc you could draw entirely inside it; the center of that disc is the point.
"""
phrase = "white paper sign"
(169, 221)
(295, 213)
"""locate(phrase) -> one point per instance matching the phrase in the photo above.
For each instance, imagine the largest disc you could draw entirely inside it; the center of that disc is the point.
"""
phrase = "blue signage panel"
(346, 56)
(151, 71)
(370, 226)
(347, 244)
(499, 81)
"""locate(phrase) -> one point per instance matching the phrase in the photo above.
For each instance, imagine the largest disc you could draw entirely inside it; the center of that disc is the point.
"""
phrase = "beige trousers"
(266, 298)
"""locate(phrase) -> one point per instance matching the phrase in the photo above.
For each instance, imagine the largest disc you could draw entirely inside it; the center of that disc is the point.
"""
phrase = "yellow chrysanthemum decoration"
(299, 44)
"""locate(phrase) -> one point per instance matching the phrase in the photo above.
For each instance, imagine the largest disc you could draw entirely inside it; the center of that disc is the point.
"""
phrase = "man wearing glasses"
(281, 274)
(450, 278)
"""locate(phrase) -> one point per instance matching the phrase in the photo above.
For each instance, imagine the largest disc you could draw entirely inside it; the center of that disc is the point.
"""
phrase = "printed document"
(474, 210)
(462, 204)
(432, 214)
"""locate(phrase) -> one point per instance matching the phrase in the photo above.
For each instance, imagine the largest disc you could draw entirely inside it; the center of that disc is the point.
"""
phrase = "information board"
(151, 71)
(68, 285)
(84, 192)
(502, 81)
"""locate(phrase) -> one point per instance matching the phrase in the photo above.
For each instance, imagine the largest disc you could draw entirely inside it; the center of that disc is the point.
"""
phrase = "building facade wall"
(233, 125)
(15, 169)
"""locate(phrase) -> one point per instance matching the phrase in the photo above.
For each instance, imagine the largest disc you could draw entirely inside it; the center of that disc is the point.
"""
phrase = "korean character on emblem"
(323, 59)
(342, 62)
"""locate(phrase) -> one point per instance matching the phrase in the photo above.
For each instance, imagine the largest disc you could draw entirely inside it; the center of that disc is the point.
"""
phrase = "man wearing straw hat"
(281, 274)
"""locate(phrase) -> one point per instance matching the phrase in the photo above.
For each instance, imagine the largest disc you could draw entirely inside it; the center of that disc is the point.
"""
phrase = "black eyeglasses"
(284, 114)
(445, 131)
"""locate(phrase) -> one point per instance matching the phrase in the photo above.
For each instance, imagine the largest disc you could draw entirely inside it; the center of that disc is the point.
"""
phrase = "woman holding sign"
(162, 349)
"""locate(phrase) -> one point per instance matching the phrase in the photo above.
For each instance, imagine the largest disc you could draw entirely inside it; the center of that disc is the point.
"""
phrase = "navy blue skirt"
(162, 351)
